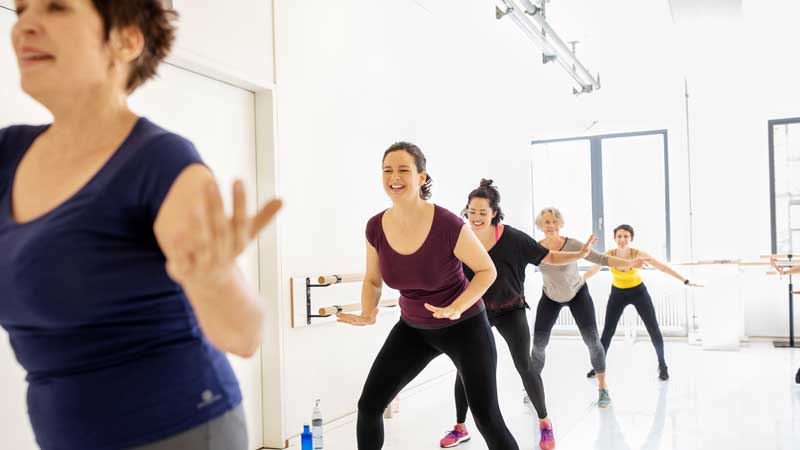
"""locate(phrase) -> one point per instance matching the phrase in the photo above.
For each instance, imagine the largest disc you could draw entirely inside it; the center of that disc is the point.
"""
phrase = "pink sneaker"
(455, 437)
(547, 441)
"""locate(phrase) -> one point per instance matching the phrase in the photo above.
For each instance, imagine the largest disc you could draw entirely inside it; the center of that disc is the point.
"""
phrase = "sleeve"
(593, 256)
(532, 251)
(373, 230)
(163, 160)
(453, 225)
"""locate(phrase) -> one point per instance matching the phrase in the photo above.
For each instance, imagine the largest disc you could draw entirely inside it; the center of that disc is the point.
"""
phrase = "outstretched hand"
(588, 246)
(448, 312)
(358, 320)
(638, 263)
(205, 250)
(774, 263)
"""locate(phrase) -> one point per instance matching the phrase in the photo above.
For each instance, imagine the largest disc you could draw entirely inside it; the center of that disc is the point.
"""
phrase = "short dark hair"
(419, 161)
(158, 28)
(490, 192)
(625, 227)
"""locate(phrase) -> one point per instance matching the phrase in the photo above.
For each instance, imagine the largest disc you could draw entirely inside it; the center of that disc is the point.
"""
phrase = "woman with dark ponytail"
(511, 251)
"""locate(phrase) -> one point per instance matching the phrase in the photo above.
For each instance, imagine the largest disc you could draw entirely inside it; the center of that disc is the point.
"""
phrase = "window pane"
(633, 191)
(562, 177)
(786, 139)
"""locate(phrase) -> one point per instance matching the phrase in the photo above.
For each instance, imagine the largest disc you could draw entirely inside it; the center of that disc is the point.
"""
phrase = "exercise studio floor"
(715, 400)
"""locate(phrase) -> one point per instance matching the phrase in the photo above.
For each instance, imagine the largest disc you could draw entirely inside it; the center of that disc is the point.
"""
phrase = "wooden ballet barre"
(337, 279)
(353, 307)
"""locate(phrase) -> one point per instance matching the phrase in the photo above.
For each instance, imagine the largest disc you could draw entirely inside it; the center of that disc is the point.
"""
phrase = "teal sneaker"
(604, 399)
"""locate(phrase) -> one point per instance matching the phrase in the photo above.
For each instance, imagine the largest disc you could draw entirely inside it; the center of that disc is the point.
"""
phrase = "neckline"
(9, 197)
(500, 238)
(563, 246)
(424, 242)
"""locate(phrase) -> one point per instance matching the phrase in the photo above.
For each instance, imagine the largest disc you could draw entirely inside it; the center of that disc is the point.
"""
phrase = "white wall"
(740, 76)
(220, 119)
(228, 40)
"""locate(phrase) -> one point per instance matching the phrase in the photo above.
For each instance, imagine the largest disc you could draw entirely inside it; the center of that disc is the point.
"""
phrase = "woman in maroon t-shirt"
(418, 248)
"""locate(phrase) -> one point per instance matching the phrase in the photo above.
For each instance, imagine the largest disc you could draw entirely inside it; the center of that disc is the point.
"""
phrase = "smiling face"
(61, 48)
(623, 238)
(550, 224)
(401, 179)
(480, 214)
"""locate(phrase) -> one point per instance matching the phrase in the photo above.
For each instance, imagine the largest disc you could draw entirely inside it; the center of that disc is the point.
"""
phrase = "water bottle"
(316, 426)
(305, 439)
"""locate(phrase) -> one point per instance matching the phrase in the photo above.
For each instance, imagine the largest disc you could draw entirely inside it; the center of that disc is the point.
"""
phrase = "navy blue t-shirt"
(113, 351)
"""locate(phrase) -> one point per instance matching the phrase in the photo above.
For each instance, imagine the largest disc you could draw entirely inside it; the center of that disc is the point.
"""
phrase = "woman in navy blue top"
(120, 290)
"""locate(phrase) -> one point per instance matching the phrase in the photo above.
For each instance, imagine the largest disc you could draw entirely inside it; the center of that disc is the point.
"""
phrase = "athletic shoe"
(458, 435)
(527, 400)
(546, 441)
(604, 400)
(797, 377)
(591, 374)
(663, 375)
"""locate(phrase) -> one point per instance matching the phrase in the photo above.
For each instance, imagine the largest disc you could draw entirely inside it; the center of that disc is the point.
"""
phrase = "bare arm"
(201, 244)
(558, 258)
(666, 269)
(781, 270)
(472, 253)
(370, 293)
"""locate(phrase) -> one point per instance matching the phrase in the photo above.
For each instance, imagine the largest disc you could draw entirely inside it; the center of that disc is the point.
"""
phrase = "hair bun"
(486, 183)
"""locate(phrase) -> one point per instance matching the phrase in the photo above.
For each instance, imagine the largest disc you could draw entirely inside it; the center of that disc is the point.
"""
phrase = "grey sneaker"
(604, 399)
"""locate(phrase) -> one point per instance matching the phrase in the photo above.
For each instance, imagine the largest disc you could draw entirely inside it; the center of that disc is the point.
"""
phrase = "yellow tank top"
(625, 279)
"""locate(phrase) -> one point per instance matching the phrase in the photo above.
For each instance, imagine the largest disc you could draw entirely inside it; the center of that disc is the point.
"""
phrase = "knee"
(368, 406)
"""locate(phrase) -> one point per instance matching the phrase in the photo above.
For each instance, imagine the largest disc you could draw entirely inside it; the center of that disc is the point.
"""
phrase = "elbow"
(242, 346)
(243, 340)
(491, 274)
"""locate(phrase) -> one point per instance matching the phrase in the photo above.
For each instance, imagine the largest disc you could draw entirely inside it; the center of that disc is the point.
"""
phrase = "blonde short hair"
(552, 210)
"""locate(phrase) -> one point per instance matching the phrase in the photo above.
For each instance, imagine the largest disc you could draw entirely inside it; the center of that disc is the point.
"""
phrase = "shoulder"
(157, 144)
(17, 138)
(447, 216)
(517, 234)
(375, 221)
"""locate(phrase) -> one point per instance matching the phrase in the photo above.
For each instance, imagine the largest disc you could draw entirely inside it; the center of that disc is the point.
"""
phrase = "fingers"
(220, 244)
(240, 237)
(199, 241)
(431, 308)
(264, 217)
(180, 261)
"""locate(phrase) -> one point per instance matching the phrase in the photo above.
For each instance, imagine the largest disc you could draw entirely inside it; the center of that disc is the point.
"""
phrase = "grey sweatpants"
(226, 432)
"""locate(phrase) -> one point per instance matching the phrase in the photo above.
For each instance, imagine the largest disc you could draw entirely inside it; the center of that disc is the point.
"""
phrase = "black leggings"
(582, 310)
(407, 350)
(640, 299)
(513, 326)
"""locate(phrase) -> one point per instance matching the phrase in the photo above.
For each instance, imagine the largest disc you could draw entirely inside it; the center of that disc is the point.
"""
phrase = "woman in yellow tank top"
(628, 289)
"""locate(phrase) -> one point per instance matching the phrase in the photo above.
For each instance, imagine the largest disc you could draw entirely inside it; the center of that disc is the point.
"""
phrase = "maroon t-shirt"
(430, 275)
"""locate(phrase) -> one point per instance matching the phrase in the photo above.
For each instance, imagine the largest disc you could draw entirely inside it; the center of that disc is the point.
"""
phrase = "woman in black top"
(511, 251)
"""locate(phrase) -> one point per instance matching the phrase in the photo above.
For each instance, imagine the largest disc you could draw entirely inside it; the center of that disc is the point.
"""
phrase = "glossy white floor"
(715, 400)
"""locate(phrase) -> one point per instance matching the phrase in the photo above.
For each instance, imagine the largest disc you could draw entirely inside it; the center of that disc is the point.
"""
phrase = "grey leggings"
(226, 432)
(582, 310)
